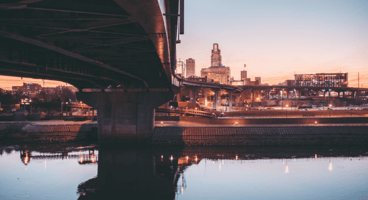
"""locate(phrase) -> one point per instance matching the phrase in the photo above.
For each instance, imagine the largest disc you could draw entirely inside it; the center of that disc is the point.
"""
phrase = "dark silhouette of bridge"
(124, 49)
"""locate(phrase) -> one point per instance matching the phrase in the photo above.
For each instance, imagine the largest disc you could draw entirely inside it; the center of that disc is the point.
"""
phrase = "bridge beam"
(125, 116)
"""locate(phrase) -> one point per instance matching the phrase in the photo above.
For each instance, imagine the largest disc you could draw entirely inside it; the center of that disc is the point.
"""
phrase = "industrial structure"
(322, 80)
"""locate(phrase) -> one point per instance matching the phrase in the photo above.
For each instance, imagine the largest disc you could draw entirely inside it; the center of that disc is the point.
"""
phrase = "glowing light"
(315, 156)
(315, 122)
(330, 167)
(187, 158)
(287, 105)
(196, 159)
(162, 156)
(162, 122)
(286, 169)
(171, 158)
(236, 157)
(330, 105)
(236, 123)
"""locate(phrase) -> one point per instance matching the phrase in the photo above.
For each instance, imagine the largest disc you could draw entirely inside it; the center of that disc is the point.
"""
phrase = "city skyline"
(274, 39)
(277, 39)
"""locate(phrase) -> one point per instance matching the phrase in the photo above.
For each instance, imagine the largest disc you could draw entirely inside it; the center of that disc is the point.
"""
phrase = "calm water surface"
(84, 171)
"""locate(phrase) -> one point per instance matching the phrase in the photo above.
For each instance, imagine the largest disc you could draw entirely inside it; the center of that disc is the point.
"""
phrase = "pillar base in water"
(125, 116)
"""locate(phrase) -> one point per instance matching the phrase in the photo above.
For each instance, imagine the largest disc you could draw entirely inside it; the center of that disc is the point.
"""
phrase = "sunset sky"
(273, 38)
(277, 38)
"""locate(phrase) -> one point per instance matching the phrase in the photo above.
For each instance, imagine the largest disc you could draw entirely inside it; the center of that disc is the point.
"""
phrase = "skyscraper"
(216, 56)
(216, 72)
(243, 75)
(190, 67)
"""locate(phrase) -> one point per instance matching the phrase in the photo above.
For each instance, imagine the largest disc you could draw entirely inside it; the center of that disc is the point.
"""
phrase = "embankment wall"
(262, 135)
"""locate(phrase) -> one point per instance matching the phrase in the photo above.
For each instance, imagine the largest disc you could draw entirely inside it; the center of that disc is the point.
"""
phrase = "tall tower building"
(243, 75)
(190, 67)
(216, 72)
(216, 56)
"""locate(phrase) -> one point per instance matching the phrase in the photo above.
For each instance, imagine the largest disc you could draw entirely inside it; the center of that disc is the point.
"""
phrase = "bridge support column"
(193, 96)
(237, 100)
(215, 103)
(128, 116)
(252, 97)
(231, 100)
(205, 96)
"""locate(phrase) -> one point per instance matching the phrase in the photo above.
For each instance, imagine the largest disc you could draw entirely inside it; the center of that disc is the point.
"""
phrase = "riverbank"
(48, 131)
(192, 134)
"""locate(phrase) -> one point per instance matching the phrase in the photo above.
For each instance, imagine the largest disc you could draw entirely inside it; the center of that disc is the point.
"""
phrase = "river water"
(89, 171)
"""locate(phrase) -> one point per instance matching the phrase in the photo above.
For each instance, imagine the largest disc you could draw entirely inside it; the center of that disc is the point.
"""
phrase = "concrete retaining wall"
(283, 135)
(43, 132)
(292, 120)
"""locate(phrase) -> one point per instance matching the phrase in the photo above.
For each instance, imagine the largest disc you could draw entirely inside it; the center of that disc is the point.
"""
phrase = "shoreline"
(195, 134)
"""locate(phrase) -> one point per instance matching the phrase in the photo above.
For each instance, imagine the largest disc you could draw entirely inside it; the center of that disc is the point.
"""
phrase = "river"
(91, 171)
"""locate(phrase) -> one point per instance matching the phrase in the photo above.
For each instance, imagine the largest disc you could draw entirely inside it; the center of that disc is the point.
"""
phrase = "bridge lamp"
(162, 123)
(236, 123)
(315, 122)
(330, 105)
(171, 158)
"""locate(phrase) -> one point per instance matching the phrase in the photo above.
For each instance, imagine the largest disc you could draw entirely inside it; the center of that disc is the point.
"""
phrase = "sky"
(277, 38)
(274, 38)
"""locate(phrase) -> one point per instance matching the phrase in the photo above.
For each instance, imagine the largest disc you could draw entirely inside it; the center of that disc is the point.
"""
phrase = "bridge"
(120, 54)
(235, 91)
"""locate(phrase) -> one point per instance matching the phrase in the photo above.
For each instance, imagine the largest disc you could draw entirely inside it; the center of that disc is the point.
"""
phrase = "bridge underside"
(87, 43)
(121, 45)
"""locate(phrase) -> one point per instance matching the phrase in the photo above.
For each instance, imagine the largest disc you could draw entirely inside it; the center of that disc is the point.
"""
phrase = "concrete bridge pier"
(125, 116)
(252, 97)
(193, 98)
(205, 96)
(230, 100)
(215, 103)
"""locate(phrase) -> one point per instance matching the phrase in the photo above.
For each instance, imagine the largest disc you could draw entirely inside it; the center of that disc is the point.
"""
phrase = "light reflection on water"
(108, 172)
(300, 178)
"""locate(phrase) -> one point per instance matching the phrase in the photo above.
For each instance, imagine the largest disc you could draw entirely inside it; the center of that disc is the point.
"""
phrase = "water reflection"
(83, 158)
(162, 172)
